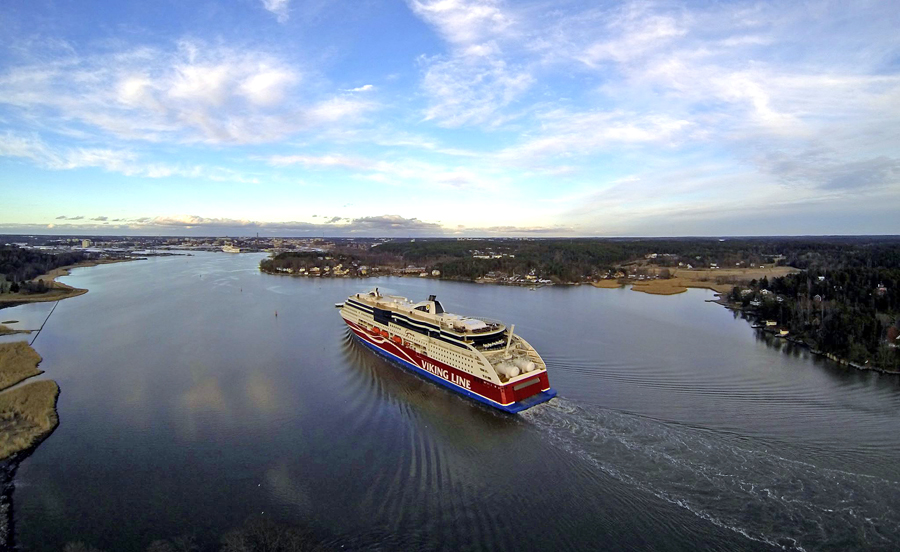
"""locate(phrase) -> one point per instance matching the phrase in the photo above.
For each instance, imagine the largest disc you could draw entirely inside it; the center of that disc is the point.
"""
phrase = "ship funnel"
(432, 297)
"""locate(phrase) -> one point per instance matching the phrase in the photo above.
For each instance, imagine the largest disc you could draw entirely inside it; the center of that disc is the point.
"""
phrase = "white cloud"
(363, 88)
(122, 161)
(463, 22)
(401, 172)
(195, 93)
(564, 134)
(466, 89)
(474, 82)
(279, 7)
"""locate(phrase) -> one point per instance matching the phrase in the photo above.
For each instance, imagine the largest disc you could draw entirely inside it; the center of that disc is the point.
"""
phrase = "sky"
(449, 117)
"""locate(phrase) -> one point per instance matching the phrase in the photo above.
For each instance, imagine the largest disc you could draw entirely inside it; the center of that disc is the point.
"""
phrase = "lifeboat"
(397, 339)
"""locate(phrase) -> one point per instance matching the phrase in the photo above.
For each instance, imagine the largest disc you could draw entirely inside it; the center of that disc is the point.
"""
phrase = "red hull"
(503, 395)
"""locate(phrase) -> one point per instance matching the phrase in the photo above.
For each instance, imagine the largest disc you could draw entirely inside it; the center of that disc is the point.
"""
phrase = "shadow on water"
(733, 482)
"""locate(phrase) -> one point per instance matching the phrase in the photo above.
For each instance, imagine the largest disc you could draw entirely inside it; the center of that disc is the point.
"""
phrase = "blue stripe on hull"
(513, 408)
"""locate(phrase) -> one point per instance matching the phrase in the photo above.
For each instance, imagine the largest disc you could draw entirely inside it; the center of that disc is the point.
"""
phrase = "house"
(783, 333)
(755, 303)
(435, 273)
(771, 323)
(821, 278)
(881, 290)
(746, 292)
(765, 292)
(893, 336)
(817, 298)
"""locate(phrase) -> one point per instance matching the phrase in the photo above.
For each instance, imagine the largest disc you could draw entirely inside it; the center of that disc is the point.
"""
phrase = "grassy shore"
(18, 361)
(6, 330)
(27, 416)
(27, 413)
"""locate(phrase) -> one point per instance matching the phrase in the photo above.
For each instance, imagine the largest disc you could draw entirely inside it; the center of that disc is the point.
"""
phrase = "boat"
(478, 357)
(231, 249)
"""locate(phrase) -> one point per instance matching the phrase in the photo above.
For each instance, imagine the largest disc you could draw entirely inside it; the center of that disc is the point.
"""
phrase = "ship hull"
(502, 398)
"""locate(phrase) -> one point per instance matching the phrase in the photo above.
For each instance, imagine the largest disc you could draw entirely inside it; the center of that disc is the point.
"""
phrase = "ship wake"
(731, 481)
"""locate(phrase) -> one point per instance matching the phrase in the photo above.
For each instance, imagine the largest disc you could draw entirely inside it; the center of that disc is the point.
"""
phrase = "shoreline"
(672, 286)
(58, 291)
(28, 413)
(721, 300)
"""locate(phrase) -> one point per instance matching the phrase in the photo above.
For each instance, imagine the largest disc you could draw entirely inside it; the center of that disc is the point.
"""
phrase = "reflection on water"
(187, 407)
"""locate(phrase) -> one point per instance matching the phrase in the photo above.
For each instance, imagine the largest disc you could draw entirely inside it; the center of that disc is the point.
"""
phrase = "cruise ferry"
(477, 357)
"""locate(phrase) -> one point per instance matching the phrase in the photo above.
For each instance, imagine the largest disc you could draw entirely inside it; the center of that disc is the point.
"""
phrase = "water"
(187, 407)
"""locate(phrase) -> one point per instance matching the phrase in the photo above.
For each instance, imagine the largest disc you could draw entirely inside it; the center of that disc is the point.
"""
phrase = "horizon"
(450, 118)
(719, 237)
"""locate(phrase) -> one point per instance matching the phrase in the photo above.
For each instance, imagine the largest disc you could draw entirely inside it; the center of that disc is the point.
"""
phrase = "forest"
(845, 302)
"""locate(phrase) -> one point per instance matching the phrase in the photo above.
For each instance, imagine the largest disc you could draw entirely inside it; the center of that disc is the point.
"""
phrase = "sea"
(200, 396)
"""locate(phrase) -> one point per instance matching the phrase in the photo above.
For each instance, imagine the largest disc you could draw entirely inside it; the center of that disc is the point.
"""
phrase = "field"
(719, 280)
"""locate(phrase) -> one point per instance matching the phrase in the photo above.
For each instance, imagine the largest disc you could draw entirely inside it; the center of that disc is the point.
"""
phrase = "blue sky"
(449, 117)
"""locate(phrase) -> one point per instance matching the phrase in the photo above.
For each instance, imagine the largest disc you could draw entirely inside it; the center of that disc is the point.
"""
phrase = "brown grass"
(18, 361)
(719, 280)
(607, 284)
(661, 287)
(6, 330)
(27, 416)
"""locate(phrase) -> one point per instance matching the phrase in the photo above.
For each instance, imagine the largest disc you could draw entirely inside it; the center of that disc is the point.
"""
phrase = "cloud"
(369, 226)
(122, 161)
(392, 223)
(400, 172)
(279, 7)
(827, 170)
(192, 92)
(363, 88)
(564, 134)
(100, 219)
(463, 22)
(475, 81)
